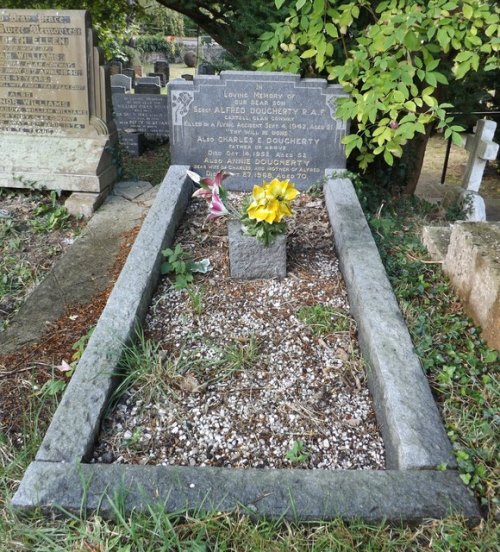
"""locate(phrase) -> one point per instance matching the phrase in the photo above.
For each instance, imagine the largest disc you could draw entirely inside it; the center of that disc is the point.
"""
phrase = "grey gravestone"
(130, 73)
(190, 58)
(259, 126)
(149, 80)
(55, 102)
(142, 113)
(115, 67)
(148, 88)
(162, 67)
(121, 80)
(187, 76)
(132, 142)
(206, 69)
(118, 90)
(161, 76)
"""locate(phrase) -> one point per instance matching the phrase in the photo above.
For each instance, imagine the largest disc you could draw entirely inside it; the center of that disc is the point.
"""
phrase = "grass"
(463, 372)
(151, 166)
(324, 319)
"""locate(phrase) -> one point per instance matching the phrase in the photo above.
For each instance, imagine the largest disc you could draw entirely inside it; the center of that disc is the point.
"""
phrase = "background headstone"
(148, 80)
(138, 70)
(161, 76)
(162, 67)
(130, 73)
(257, 125)
(121, 80)
(55, 103)
(132, 142)
(118, 90)
(206, 69)
(142, 113)
(147, 88)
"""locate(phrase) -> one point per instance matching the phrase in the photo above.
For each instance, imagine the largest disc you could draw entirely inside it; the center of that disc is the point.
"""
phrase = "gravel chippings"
(238, 379)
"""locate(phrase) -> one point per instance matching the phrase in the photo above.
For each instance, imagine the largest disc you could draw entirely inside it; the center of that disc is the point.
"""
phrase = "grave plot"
(411, 487)
(260, 373)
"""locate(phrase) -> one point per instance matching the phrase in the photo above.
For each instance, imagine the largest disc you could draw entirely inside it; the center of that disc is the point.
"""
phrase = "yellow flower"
(271, 201)
(281, 190)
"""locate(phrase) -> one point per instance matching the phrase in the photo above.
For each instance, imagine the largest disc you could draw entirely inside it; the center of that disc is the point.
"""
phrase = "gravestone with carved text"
(257, 125)
(55, 111)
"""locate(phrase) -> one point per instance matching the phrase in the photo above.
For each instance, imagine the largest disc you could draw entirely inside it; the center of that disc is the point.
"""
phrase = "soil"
(241, 376)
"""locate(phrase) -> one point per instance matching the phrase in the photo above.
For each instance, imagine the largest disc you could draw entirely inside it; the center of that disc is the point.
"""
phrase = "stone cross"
(482, 149)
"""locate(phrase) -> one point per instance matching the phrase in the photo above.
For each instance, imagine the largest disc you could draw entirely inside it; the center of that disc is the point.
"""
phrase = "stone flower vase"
(250, 259)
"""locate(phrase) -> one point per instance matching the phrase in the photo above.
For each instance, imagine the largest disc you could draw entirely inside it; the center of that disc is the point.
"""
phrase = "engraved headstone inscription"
(142, 113)
(257, 125)
(55, 110)
(132, 142)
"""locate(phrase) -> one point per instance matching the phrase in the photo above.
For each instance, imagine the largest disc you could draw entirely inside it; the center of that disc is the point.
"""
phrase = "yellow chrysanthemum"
(271, 201)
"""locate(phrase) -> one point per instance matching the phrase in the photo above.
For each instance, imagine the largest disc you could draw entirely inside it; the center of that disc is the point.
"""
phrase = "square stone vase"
(250, 259)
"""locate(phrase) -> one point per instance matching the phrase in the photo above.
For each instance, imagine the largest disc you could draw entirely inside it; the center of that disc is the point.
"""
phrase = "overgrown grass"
(151, 166)
(462, 370)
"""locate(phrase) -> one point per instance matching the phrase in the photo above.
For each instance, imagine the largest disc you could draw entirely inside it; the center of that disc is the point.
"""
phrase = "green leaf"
(278, 3)
(411, 41)
(410, 106)
(388, 158)
(299, 4)
(309, 53)
(331, 30)
(468, 11)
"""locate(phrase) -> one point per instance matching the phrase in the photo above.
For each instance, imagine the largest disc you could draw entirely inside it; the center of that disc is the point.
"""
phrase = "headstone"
(142, 113)
(482, 149)
(187, 76)
(121, 80)
(115, 67)
(206, 69)
(118, 90)
(131, 74)
(161, 76)
(162, 67)
(138, 70)
(190, 58)
(132, 142)
(257, 125)
(148, 88)
(55, 103)
(149, 80)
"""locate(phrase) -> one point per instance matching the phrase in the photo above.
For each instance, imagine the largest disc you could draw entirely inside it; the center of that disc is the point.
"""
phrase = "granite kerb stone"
(74, 427)
(409, 490)
(411, 425)
(305, 495)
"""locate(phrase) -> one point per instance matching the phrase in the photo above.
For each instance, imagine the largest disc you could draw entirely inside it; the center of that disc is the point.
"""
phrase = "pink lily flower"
(217, 208)
(208, 186)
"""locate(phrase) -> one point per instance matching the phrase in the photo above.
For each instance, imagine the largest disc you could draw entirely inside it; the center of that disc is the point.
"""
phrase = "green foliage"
(153, 18)
(50, 215)
(155, 43)
(324, 319)
(395, 58)
(297, 453)
(462, 369)
(181, 264)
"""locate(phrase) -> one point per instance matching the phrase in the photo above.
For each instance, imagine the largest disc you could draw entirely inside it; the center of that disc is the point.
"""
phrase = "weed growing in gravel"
(297, 453)
(196, 296)
(182, 265)
(324, 319)
(49, 215)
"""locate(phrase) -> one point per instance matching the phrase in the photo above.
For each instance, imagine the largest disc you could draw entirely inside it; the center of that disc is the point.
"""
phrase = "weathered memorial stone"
(138, 70)
(55, 112)
(258, 126)
(164, 68)
(149, 80)
(206, 69)
(132, 142)
(147, 88)
(130, 73)
(121, 80)
(118, 90)
(142, 113)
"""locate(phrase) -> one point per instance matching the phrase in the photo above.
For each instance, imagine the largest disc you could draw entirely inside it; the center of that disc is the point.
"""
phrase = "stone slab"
(145, 113)
(57, 163)
(81, 204)
(436, 239)
(80, 274)
(257, 125)
(130, 189)
(74, 427)
(249, 259)
(413, 432)
(473, 265)
(305, 495)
